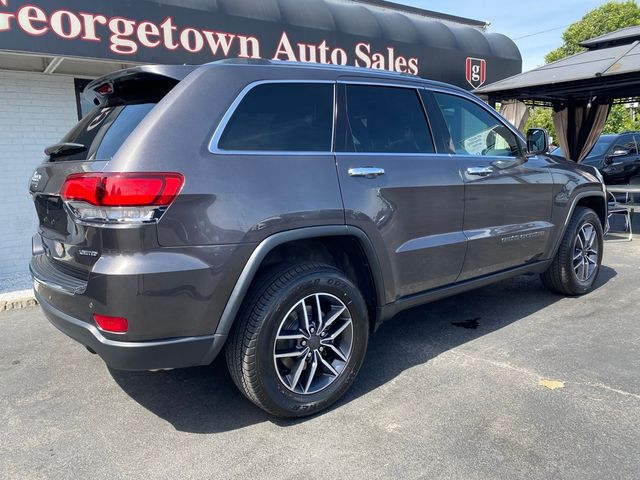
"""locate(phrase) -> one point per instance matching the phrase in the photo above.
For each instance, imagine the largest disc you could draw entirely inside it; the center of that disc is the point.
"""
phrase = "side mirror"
(537, 141)
(620, 152)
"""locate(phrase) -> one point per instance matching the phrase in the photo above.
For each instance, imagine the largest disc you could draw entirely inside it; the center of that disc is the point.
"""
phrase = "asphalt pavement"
(448, 390)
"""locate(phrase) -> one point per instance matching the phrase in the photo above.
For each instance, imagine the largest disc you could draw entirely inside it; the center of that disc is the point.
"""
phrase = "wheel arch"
(597, 203)
(596, 200)
(271, 244)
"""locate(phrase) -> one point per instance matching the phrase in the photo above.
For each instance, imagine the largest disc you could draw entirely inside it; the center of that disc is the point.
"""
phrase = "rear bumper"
(147, 355)
(163, 292)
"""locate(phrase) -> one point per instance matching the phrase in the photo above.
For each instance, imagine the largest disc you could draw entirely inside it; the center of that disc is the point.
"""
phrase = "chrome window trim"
(222, 125)
(387, 154)
(414, 84)
(472, 98)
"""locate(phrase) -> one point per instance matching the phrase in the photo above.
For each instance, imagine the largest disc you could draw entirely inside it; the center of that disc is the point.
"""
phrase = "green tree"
(540, 117)
(607, 18)
(622, 118)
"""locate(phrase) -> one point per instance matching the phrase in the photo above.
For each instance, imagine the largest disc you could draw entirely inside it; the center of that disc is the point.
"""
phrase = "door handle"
(479, 171)
(367, 172)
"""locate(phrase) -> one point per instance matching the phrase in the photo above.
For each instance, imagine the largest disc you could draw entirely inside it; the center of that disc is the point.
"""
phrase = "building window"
(84, 105)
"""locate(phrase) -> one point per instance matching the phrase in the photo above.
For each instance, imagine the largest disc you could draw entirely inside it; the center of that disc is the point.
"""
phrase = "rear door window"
(282, 117)
(384, 119)
(103, 131)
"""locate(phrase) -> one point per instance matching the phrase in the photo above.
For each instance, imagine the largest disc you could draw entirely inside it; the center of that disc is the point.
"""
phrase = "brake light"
(121, 197)
(111, 324)
(104, 90)
(123, 189)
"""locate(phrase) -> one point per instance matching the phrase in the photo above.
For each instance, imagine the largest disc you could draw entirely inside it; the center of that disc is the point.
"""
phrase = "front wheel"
(300, 340)
(576, 266)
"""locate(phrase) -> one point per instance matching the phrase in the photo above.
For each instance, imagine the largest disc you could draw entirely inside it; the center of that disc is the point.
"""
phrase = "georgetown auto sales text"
(127, 37)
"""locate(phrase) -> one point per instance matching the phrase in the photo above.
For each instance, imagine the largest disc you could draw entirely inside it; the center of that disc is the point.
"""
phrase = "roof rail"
(287, 63)
(341, 68)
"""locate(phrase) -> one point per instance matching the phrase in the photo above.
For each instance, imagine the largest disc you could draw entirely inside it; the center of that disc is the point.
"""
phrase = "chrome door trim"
(394, 154)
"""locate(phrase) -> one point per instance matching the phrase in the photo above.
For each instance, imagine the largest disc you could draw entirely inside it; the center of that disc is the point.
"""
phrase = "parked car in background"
(616, 156)
(283, 211)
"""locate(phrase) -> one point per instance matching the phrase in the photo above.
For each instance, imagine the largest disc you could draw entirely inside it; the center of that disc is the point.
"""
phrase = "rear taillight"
(111, 324)
(120, 197)
(104, 90)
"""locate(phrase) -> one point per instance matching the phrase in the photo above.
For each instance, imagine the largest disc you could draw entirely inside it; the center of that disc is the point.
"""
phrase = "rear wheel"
(300, 340)
(576, 266)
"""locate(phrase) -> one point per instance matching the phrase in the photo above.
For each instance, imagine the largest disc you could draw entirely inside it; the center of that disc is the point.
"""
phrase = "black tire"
(561, 277)
(251, 348)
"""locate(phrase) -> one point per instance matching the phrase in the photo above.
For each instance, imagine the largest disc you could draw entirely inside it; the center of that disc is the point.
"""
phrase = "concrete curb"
(17, 300)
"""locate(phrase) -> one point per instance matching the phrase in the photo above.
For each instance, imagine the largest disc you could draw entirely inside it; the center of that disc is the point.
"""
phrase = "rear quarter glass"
(103, 131)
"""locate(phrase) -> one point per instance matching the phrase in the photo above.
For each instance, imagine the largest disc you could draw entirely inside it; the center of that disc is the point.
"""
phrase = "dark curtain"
(579, 125)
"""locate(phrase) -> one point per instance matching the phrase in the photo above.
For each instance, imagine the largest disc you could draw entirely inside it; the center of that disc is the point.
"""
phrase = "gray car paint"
(507, 216)
(176, 279)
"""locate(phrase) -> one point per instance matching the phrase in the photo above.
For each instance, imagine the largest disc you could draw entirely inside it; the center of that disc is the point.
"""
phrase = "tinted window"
(474, 131)
(386, 120)
(104, 130)
(282, 117)
(601, 147)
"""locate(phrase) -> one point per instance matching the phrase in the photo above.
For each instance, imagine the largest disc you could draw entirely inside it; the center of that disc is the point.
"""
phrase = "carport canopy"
(580, 88)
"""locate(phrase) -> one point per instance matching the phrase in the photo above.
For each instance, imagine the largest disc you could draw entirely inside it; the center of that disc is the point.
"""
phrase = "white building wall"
(36, 110)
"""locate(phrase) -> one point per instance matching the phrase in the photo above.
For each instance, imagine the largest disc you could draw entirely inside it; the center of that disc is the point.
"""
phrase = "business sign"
(476, 72)
(185, 32)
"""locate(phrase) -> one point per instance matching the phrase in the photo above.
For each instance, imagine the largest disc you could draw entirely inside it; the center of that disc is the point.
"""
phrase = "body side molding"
(405, 303)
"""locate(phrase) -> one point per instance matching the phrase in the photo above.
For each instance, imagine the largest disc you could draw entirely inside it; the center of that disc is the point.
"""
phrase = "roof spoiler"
(104, 88)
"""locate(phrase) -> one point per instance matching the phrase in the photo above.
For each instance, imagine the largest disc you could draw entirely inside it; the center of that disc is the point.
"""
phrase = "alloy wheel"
(313, 344)
(585, 252)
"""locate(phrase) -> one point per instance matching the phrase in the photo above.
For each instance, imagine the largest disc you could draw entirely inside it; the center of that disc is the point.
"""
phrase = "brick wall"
(36, 110)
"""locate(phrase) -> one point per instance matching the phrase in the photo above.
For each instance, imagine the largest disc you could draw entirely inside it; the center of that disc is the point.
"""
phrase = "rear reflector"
(111, 324)
(123, 189)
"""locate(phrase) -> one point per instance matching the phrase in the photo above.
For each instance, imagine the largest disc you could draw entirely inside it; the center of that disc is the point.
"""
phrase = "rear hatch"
(65, 246)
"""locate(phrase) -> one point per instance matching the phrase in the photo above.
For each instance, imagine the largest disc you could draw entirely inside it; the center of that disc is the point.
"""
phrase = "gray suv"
(283, 211)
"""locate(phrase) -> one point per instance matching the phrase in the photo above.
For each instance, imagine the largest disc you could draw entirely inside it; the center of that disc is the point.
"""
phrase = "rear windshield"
(103, 131)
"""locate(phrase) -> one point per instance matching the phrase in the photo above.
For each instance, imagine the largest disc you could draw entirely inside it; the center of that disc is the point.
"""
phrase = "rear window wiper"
(65, 148)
